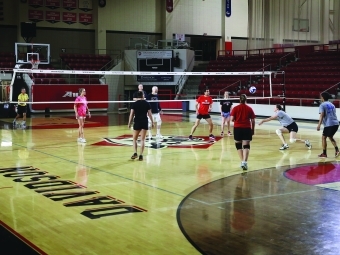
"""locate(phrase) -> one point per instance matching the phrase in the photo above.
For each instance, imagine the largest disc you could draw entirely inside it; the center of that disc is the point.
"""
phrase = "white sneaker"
(159, 136)
(284, 147)
(83, 140)
(244, 165)
(308, 144)
(79, 140)
(150, 137)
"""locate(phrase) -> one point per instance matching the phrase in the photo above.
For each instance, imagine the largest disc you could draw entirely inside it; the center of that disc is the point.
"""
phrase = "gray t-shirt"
(284, 118)
(329, 118)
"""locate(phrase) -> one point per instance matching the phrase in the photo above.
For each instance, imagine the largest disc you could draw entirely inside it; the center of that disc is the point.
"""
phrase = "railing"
(219, 92)
(182, 80)
(280, 61)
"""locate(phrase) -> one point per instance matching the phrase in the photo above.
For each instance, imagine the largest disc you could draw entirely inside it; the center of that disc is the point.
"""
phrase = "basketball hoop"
(35, 64)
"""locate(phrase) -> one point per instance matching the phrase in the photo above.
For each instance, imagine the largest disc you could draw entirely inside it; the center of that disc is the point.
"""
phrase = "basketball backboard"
(26, 52)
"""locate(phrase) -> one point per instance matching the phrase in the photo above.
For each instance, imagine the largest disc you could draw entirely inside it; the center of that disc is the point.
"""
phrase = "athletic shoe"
(190, 137)
(150, 137)
(79, 140)
(140, 158)
(308, 144)
(222, 133)
(159, 136)
(211, 137)
(284, 147)
(244, 165)
(337, 153)
(229, 133)
(134, 156)
(82, 140)
(322, 155)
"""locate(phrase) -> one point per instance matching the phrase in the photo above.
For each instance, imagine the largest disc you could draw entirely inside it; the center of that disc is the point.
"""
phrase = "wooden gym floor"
(186, 197)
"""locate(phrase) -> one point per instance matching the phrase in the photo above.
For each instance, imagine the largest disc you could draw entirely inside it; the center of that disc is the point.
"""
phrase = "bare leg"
(228, 123)
(197, 122)
(81, 127)
(333, 142)
(134, 139)
(222, 124)
(24, 117)
(142, 142)
(280, 135)
(245, 151)
(324, 143)
(211, 126)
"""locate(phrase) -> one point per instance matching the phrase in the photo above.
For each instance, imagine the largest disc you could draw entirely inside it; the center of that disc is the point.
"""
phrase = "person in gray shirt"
(288, 125)
(330, 123)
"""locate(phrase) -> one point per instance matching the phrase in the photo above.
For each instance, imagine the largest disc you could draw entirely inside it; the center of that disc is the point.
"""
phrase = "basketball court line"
(103, 171)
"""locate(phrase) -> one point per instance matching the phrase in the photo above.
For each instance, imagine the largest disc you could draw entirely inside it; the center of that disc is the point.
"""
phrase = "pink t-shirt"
(81, 104)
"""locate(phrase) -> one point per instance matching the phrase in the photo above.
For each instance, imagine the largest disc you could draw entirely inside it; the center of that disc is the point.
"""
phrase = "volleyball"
(252, 89)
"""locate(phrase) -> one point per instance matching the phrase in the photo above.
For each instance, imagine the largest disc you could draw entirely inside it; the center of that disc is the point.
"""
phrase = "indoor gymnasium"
(169, 127)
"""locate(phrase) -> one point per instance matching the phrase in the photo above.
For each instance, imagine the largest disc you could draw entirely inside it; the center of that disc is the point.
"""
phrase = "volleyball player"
(80, 109)
(226, 106)
(155, 110)
(22, 108)
(330, 122)
(243, 117)
(203, 107)
(140, 111)
(288, 125)
(140, 88)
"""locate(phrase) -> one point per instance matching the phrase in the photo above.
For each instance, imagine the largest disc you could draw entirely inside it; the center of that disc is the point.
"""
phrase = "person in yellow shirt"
(22, 107)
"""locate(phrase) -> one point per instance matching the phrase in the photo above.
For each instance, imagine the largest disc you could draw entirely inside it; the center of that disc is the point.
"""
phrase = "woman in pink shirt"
(80, 108)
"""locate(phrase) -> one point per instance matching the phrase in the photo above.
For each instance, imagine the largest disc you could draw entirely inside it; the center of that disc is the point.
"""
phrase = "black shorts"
(330, 131)
(292, 127)
(22, 109)
(139, 125)
(205, 116)
(243, 134)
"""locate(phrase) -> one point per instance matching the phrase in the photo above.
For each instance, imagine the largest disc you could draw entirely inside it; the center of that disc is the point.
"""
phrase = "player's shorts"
(139, 125)
(330, 131)
(203, 116)
(22, 109)
(225, 114)
(292, 127)
(243, 134)
(156, 117)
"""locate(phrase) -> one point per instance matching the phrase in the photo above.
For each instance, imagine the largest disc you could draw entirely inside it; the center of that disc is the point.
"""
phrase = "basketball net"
(35, 64)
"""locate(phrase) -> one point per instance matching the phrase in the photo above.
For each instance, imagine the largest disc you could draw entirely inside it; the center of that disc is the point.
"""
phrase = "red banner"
(35, 15)
(69, 17)
(69, 4)
(85, 18)
(52, 4)
(36, 3)
(52, 16)
(169, 5)
(67, 93)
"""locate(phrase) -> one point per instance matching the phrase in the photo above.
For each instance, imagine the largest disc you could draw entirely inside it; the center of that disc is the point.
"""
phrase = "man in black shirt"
(140, 88)
(139, 112)
(156, 110)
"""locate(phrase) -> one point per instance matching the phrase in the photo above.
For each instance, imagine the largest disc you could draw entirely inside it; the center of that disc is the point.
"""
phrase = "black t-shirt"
(135, 94)
(141, 108)
(226, 105)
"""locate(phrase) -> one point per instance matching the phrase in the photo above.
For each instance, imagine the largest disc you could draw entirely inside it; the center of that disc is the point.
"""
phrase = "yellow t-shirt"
(22, 97)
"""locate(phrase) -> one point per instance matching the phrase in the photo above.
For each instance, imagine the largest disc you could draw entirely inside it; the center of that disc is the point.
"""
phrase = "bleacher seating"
(85, 61)
(7, 60)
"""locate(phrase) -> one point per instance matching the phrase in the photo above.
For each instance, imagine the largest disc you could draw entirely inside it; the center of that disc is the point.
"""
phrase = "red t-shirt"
(204, 103)
(242, 116)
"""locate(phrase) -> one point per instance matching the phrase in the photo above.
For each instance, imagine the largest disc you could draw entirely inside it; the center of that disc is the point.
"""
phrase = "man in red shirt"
(243, 117)
(203, 107)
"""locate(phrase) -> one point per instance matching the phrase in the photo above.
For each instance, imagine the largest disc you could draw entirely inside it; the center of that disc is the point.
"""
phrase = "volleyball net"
(57, 89)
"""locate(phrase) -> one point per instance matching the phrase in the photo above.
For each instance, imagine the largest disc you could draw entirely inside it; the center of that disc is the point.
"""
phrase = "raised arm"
(268, 119)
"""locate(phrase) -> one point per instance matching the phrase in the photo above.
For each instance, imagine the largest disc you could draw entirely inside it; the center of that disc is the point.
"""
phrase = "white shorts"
(156, 117)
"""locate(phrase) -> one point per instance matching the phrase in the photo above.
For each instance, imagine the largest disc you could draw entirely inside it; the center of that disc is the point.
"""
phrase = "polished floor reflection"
(186, 197)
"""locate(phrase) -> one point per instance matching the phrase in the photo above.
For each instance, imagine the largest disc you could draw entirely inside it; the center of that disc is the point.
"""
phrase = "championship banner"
(1, 10)
(67, 93)
(52, 16)
(69, 17)
(85, 18)
(35, 15)
(169, 5)
(69, 4)
(52, 4)
(36, 3)
(228, 8)
(85, 5)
